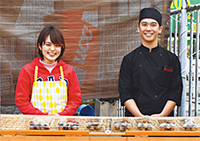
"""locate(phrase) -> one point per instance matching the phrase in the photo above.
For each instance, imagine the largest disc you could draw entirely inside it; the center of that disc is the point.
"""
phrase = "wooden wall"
(97, 35)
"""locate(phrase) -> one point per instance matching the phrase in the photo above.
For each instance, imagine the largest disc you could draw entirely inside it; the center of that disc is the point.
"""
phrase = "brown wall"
(111, 23)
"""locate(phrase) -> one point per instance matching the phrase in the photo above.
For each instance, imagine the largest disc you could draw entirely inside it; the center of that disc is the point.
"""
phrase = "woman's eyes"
(55, 45)
(48, 44)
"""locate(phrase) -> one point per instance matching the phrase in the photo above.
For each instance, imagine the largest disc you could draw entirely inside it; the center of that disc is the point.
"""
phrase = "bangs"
(56, 37)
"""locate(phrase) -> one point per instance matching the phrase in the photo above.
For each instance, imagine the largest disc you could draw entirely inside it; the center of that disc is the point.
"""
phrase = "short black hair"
(56, 37)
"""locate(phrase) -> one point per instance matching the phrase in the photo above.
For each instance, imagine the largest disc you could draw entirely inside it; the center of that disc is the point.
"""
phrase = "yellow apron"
(49, 96)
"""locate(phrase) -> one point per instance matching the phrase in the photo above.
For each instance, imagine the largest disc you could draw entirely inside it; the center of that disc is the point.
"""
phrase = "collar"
(36, 62)
(49, 65)
(146, 49)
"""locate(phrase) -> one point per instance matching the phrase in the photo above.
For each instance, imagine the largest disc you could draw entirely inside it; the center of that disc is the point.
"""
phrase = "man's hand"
(169, 106)
(157, 115)
(132, 107)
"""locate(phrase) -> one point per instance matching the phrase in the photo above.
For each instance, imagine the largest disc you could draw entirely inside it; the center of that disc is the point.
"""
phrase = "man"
(150, 81)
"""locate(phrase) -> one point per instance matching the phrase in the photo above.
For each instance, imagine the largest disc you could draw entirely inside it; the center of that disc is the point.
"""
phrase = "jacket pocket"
(165, 76)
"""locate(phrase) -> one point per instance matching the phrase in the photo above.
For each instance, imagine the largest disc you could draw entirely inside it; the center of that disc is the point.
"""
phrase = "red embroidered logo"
(168, 69)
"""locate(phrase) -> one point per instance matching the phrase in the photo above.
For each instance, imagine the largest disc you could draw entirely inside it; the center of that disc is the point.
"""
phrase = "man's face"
(149, 30)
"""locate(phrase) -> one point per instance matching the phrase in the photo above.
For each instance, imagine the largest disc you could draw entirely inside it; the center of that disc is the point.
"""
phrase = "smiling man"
(150, 81)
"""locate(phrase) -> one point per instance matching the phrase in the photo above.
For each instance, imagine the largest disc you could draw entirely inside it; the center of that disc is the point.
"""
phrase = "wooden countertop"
(19, 125)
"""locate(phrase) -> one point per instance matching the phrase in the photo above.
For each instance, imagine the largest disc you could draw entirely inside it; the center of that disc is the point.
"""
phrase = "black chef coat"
(150, 78)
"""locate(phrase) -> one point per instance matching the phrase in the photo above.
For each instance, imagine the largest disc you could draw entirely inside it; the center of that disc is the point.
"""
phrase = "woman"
(47, 85)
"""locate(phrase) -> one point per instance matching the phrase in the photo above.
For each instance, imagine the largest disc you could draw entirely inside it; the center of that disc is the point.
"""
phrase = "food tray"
(166, 124)
(94, 124)
(121, 125)
(188, 124)
(40, 123)
(68, 124)
(143, 124)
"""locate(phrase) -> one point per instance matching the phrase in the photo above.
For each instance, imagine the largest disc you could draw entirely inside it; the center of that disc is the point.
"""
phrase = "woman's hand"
(49, 114)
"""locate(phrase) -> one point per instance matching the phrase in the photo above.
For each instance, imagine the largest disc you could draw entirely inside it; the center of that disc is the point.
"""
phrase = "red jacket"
(25, 84)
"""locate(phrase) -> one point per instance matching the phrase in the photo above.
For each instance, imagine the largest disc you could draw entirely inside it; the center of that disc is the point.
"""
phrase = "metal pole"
(197, 65)
(175, 34)
(0, 86)
(183, 53)
(170, 33)
(190, 64)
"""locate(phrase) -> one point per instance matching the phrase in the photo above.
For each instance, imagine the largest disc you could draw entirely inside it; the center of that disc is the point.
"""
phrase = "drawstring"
(36, 73)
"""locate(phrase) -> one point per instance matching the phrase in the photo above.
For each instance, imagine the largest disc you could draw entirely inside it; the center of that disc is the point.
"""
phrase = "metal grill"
(184, 42)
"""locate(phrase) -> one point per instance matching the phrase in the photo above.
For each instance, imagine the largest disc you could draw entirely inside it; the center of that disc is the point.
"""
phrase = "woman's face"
(50, 51)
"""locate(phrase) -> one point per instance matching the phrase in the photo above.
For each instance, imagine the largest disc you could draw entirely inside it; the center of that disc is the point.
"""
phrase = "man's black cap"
(151, 13)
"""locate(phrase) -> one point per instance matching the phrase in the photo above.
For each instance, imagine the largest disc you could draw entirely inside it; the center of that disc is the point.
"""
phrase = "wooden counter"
(15, 128)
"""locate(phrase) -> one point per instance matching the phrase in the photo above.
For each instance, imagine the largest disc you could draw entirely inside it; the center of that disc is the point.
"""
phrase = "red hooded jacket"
(25, 84)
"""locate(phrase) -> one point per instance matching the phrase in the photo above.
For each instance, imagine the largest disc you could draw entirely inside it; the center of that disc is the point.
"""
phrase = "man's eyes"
(154, 24)
(144, 24)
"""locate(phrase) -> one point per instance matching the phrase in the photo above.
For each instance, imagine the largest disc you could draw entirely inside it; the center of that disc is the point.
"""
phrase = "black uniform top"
(150, 78)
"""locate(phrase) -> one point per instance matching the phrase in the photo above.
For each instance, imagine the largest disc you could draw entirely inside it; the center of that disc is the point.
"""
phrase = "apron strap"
(36, 73)
(61, 71)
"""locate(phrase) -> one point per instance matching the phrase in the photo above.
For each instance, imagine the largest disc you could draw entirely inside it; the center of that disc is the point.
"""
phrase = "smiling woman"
(47, 85)
(51, 45)
(50, 51)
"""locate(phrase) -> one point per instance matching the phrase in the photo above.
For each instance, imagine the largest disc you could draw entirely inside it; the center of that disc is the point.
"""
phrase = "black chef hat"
(151, 13)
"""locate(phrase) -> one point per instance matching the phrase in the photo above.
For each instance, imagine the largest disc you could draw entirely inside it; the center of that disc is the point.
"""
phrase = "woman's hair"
(56, 37)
